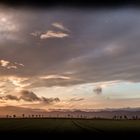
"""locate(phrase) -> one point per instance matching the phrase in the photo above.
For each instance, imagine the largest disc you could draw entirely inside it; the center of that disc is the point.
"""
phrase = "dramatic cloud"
(98, 90)
(63, 52)
(29, 96)
(103, 46)
(52, 34)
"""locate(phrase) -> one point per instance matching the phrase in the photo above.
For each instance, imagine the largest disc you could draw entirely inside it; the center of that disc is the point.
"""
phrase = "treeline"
(115, 117)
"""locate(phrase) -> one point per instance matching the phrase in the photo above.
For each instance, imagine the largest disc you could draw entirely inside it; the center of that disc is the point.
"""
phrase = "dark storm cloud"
(103, 45)
(29, 96)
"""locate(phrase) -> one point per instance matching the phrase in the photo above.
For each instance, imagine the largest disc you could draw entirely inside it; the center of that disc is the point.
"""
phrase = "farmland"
(68, 126)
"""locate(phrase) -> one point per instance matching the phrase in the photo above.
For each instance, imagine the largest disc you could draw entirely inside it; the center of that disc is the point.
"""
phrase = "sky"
(69, 58)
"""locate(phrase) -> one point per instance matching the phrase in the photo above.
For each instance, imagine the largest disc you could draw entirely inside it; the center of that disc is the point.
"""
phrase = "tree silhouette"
(125, 117)
(14, 116)
(23, 115)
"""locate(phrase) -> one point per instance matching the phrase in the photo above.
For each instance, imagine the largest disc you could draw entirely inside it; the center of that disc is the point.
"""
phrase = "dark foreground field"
(69, 126)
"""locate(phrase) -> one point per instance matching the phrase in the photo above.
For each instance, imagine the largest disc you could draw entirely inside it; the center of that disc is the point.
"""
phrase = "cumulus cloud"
(52, 34)
(97, 90)
(29, 96)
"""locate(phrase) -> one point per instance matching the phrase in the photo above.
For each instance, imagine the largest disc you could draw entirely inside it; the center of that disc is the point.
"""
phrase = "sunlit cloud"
(55, 77)
(18, 82)
(10, 65)
(12, 84)
(60, 26)
(53, 34)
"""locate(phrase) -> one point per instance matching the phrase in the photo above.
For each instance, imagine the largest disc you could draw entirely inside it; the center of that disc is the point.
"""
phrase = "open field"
(69, 126)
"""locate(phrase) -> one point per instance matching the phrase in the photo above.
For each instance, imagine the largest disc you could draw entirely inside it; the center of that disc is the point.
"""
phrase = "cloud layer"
(103, 45)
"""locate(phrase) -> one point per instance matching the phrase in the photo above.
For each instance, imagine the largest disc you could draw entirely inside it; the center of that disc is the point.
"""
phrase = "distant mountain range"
(89, 113)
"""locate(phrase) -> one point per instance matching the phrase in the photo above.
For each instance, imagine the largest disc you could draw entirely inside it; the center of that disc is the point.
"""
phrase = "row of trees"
(125, 117)
(42, 116)
(25, 116)
(116, 117)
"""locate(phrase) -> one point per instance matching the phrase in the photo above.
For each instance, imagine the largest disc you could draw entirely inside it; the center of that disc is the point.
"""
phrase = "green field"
(73, 126)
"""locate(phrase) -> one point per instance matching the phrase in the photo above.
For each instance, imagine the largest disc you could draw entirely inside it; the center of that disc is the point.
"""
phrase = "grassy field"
(71, 126)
